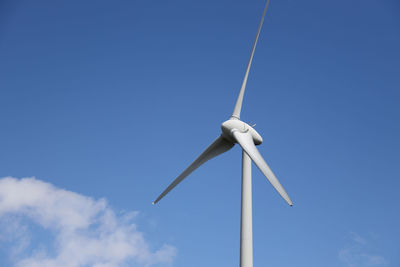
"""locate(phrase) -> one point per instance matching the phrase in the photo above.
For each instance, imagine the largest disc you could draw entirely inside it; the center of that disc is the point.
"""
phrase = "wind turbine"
(236, 131)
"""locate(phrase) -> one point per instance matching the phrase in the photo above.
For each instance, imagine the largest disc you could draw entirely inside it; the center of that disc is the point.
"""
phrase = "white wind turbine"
(236, 131)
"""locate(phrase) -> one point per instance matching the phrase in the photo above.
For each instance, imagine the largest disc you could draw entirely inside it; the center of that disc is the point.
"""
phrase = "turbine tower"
(236, 131)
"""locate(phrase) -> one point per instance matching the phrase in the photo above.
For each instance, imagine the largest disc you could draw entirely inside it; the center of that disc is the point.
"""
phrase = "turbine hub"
(235, 124)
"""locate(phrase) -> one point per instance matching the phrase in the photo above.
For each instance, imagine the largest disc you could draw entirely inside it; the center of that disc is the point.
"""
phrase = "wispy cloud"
(84, 231)
(358, 253)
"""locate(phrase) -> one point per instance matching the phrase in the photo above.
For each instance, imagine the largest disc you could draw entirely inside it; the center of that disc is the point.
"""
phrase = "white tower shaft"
(246, 223)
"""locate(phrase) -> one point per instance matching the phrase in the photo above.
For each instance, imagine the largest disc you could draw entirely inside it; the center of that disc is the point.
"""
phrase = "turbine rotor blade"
(219, 146)
(238, 105)
(245, 140)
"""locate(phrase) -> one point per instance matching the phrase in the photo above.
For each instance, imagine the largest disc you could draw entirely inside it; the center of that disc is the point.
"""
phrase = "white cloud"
(358, 253)
(85, 231)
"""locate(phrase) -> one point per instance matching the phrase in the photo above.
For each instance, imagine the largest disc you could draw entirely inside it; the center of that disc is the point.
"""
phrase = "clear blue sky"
(113, 99)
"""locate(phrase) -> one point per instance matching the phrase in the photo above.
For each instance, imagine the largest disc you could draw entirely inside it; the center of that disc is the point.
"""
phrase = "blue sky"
(111, 100)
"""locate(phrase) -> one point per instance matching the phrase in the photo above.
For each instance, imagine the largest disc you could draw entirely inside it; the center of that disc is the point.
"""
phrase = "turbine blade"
(219, 146)
(245, 140)
(238, 106)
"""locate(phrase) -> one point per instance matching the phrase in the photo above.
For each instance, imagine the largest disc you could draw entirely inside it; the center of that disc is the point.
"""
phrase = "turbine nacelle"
(231, 125)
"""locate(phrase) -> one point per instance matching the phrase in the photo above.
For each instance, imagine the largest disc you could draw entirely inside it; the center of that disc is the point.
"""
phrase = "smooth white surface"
(231, 124)
(219, 146)
(246, 221)
(239, 101)
(245, 140)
